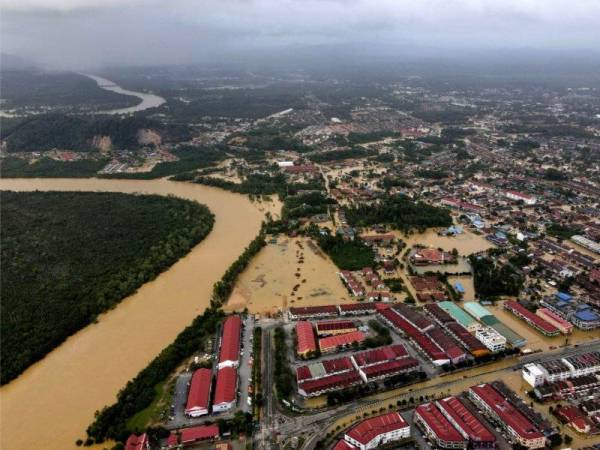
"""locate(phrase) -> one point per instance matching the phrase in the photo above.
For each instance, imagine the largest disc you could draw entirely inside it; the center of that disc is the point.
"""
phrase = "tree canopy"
(65, 260)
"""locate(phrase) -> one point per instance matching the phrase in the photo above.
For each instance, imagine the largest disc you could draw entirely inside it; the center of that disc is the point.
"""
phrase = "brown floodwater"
(51, 403)
(288, 272)
(466, 243)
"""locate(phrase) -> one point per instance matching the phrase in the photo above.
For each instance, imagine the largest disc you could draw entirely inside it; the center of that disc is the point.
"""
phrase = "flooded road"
(52, 402)
(148, 100)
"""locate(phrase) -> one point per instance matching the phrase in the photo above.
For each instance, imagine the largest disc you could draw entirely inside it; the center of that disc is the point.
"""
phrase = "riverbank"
(58, 396)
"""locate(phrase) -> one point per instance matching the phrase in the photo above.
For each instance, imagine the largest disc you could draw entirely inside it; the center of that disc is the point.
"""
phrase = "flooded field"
(467, 284)
(466, 243)
(54, 400)
(288, 272)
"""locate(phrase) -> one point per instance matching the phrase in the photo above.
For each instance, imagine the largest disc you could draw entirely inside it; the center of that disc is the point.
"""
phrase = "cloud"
(174, 30)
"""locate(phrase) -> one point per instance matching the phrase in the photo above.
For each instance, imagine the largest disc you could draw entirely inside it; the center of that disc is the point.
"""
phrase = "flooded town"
(302, 248)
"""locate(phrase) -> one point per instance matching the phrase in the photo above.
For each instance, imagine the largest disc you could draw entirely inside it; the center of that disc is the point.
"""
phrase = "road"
(267, 383)
(315, 426)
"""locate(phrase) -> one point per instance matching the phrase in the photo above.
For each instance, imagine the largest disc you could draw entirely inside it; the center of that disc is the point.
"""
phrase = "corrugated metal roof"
(457, 313)
(476, 310)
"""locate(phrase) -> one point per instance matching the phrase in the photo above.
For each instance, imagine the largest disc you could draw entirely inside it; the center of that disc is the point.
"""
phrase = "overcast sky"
(87, 33)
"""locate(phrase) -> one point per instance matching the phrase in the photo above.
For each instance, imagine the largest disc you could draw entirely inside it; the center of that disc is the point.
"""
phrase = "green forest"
(492, 279)
(66, 260)
(76, 133)
(190, 158)
(12, 167)
(347, 255)
(401, 212)
(30, 87)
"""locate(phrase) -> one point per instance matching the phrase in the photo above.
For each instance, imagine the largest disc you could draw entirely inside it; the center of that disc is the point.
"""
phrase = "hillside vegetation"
(76, 133)
(37, 88)
(68, 256)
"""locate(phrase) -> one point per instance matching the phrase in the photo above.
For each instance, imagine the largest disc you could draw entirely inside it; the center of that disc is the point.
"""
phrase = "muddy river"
(52, 402)
(147, 100)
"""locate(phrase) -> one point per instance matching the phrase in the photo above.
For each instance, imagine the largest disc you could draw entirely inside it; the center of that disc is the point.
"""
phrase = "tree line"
(284, 377)
(346, 254)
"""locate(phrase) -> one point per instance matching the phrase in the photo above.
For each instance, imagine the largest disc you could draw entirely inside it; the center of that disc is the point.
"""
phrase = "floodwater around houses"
(52, 402)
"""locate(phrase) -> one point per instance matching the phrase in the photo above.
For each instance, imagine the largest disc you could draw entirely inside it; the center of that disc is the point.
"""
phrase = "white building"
(561, 369)
(519, 196)
(533, 374)
(378, 431)
(493, 340)
(586, 243)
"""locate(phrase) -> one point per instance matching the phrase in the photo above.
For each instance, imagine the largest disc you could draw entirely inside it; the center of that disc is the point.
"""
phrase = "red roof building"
(229, 352)
(343, 445)
(307, 312)
(324, 368)
(330, 327)
(433, 256)
(140, 442)
(466, 423)
(437, 427)
(550, 316)
(199, 395)
(192, 435)
(334, 343)
(225, 389)
(519, 428)
(411, 315)
(573, 416)
(543, 326)
(173, 440)
(305, 335)
(388, 369)
(316, 387)
(424, 342)
(378, 431)
(470, 342)
(448, 344)
(357, 308)
(301, 168)
(380, 355)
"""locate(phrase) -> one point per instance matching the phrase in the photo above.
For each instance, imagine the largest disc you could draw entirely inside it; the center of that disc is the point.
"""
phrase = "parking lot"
(178, 418)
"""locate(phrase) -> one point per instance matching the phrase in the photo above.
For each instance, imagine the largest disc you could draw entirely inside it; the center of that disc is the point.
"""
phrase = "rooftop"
(438, 423)
(230, 341)
(199, 394)
(369, 429)
(510, 415)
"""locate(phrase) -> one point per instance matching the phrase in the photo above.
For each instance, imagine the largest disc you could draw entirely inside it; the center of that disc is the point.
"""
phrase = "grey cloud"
(83, 33)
